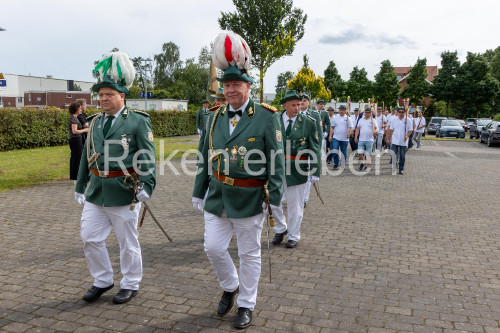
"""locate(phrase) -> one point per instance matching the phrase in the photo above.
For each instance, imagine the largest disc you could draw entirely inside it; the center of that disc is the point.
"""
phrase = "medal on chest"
(234, 122)
(124, 141)
(234, 156)
(242, 151)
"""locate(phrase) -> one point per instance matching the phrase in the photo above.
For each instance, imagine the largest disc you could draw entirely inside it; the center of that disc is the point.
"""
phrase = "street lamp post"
(145, 67)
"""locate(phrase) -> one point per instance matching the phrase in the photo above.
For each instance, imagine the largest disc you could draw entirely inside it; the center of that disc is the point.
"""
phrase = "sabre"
(269, 221)
(136, 186)
(317, 192)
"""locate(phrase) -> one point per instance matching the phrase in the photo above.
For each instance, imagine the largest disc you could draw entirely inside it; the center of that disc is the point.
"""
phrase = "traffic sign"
(150, 94)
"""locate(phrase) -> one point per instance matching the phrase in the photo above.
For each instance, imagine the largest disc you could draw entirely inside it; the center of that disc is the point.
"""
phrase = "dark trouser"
(400, 152)
(76, 146)
(354, 145)
(336, 144)
(328, 149)
(410, 143)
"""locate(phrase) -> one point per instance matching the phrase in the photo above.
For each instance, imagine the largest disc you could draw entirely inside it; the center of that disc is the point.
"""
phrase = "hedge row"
(32, 128)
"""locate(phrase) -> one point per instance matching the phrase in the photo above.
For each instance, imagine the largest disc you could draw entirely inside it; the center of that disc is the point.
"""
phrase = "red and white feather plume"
(228, 49)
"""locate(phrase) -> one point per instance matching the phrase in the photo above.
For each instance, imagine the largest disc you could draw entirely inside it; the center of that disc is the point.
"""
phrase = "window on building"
(68, 96)
(19, 99)
(38, 99)
(29, 97)
(399, 77)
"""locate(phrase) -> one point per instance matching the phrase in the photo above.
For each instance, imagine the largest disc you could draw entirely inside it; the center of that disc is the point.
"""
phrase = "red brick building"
(60, 99)
(402, 74)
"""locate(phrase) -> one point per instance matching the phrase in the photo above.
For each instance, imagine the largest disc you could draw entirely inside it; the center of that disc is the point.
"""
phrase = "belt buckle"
(229, 181)
(103, 174)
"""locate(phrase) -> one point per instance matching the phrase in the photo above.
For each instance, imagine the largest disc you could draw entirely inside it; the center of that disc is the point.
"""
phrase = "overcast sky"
(62, 38)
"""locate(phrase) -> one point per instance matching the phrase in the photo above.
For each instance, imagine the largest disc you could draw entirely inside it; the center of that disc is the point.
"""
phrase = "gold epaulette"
(308, 116)
(269, 107)
(142, 112)
(215, 107)
(92, 116)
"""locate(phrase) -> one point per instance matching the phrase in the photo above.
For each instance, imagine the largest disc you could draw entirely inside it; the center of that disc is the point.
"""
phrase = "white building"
(158, 104)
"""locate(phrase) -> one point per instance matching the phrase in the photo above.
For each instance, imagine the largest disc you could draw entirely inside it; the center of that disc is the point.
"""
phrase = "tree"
(478, 88)
(205, 57)
(418, 86)
(76, 87)
(306, 81)
(359, 87)
(191, 81)
(281, 85)
(495, 72)
(444, 87)
(270, 27)
(166, 63)
(386, 87)
(334, 82)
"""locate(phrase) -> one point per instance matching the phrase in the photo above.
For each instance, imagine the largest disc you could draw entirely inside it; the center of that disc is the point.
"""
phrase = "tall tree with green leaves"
(359, 87)
(166, 63)
(282, 81)
(270, 27)
(386, 87)
(334, 82)
(306, 81)
(445, 87)
(495, 72)
(478, 88)
(418, 86)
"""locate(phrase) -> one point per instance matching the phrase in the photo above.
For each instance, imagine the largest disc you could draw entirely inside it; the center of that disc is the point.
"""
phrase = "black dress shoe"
(278, 238)
(95, 292)
(124, 295)
(401, 172)
(361, 166)
(226, 302)
(243, 318)
(291, 244)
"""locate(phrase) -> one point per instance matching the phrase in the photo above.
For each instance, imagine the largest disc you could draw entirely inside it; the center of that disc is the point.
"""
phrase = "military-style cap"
(342, 107)
(321, 100)
(356, 109)
(305, 95)
(116, 71)
(233, 73)
(290, 95)
(329, 109)
(205, 101)
(219, 93)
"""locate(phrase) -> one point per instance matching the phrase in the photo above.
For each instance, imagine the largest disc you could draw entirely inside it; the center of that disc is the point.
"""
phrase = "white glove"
(198, 204)
(142, 196)
(314, 179)
(80, 198)
(325, 135)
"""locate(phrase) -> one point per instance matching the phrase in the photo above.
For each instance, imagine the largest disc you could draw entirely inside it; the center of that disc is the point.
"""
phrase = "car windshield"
(471, 120)
(483, 122)
(461, 121)
(436, 120)
(450, 123)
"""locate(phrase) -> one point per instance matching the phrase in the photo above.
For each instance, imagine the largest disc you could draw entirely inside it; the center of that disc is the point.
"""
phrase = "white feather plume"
(126, 67)
(239, 53)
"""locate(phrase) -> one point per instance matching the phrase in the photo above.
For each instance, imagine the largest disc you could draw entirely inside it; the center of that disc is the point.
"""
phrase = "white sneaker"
(417, 148)
(386, 150)
(378, 155)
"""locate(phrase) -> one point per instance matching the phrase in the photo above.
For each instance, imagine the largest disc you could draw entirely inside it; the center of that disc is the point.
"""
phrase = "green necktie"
(107, 126)
(289, 128)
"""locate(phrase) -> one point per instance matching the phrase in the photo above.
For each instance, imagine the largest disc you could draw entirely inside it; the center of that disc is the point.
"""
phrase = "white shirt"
(285, 121)
(399, 134)
(380, 123)
(390, 117)
(354, 118)
(231, 122)
(114, 119)
(419, 122)
(366, 129)
(340, 127)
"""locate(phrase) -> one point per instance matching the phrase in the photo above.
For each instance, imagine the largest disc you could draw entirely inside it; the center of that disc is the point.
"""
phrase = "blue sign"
(3, 83)
(150, 94)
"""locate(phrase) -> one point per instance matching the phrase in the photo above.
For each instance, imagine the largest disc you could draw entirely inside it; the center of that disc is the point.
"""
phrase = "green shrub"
(32, 128)
(497, 117)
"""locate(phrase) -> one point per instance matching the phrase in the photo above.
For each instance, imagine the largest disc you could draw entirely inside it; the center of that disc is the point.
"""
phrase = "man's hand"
(142, 196)
(198, 204)
(406, 138)
(314, 179)
(80, 198)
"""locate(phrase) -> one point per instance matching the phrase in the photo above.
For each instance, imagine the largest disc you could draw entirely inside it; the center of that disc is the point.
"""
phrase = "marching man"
(301, 145)
(119, 144)
(397, 136)
(381, 123)
(242, 152)
(341, 130)
(364, 137)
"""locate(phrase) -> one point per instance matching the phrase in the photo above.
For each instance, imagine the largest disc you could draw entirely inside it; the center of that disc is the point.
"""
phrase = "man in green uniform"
(201, 117)
(301, 145)
(304, 109)
(119, 143)
(325, 122)
(219, 97)
(242, 151)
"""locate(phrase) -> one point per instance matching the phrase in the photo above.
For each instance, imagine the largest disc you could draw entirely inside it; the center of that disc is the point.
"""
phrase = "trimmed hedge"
(32, 128)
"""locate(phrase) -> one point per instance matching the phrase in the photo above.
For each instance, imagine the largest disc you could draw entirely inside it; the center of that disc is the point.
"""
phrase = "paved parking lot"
(412, 253)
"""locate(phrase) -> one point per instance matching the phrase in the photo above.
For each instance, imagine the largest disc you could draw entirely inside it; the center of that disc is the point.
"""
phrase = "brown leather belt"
(293, 157)
(112, 173)
(239, 182)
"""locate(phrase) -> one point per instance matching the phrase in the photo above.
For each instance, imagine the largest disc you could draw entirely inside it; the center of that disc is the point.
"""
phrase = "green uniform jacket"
(325, 119)
(258, 131)
(134, 128)
(315, 115)
(303, 136)
(201, 117)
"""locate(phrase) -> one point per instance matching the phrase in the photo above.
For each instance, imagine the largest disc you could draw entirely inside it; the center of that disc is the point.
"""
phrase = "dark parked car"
(450, 128)
(464, 124)
(434, 124)
(490, 133)
(470, 121)
(476, 128)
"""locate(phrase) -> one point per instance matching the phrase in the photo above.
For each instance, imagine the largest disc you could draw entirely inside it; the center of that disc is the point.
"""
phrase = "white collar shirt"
(366, 129)
(420, 121)
(285, 120)
(380, 123)
(235, 120)
(114, 119)
(340, 127)
(399, 131)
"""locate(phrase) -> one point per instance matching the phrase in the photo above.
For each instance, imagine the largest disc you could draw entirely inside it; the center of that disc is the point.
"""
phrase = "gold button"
(223, 171)
(227, 149)
(225, 160)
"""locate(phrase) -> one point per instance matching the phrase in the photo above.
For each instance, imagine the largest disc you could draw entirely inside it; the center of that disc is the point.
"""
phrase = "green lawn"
(26, 167)
(448, 139)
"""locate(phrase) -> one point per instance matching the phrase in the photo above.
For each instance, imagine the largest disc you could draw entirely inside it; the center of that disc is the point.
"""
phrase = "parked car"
(434, 123)
(464, 124)
(470, 121)
(490, 133)
(476, 128)
(451, 128)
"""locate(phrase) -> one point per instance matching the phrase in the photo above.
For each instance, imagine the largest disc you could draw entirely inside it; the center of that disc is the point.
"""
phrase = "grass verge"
(448, 139)
(27, 167)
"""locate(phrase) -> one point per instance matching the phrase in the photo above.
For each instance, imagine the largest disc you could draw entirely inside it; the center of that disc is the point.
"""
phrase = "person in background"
(76, 130)
(82, 117)
(364, 137)
(399, 131)
(341, 128)
(201, 117)
(419, 129)
(329, 157)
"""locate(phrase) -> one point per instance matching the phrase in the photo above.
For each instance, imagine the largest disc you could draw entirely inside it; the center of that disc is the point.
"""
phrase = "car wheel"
(481, 139)
(489, 142)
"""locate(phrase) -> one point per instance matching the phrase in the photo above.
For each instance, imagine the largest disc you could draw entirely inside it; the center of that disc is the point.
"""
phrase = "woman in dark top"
(75, 139)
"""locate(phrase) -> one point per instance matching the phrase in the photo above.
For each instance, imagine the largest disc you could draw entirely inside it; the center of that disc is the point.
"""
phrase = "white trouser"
(96, 224)
(218, 234)
(295, 208)
(307, 189)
